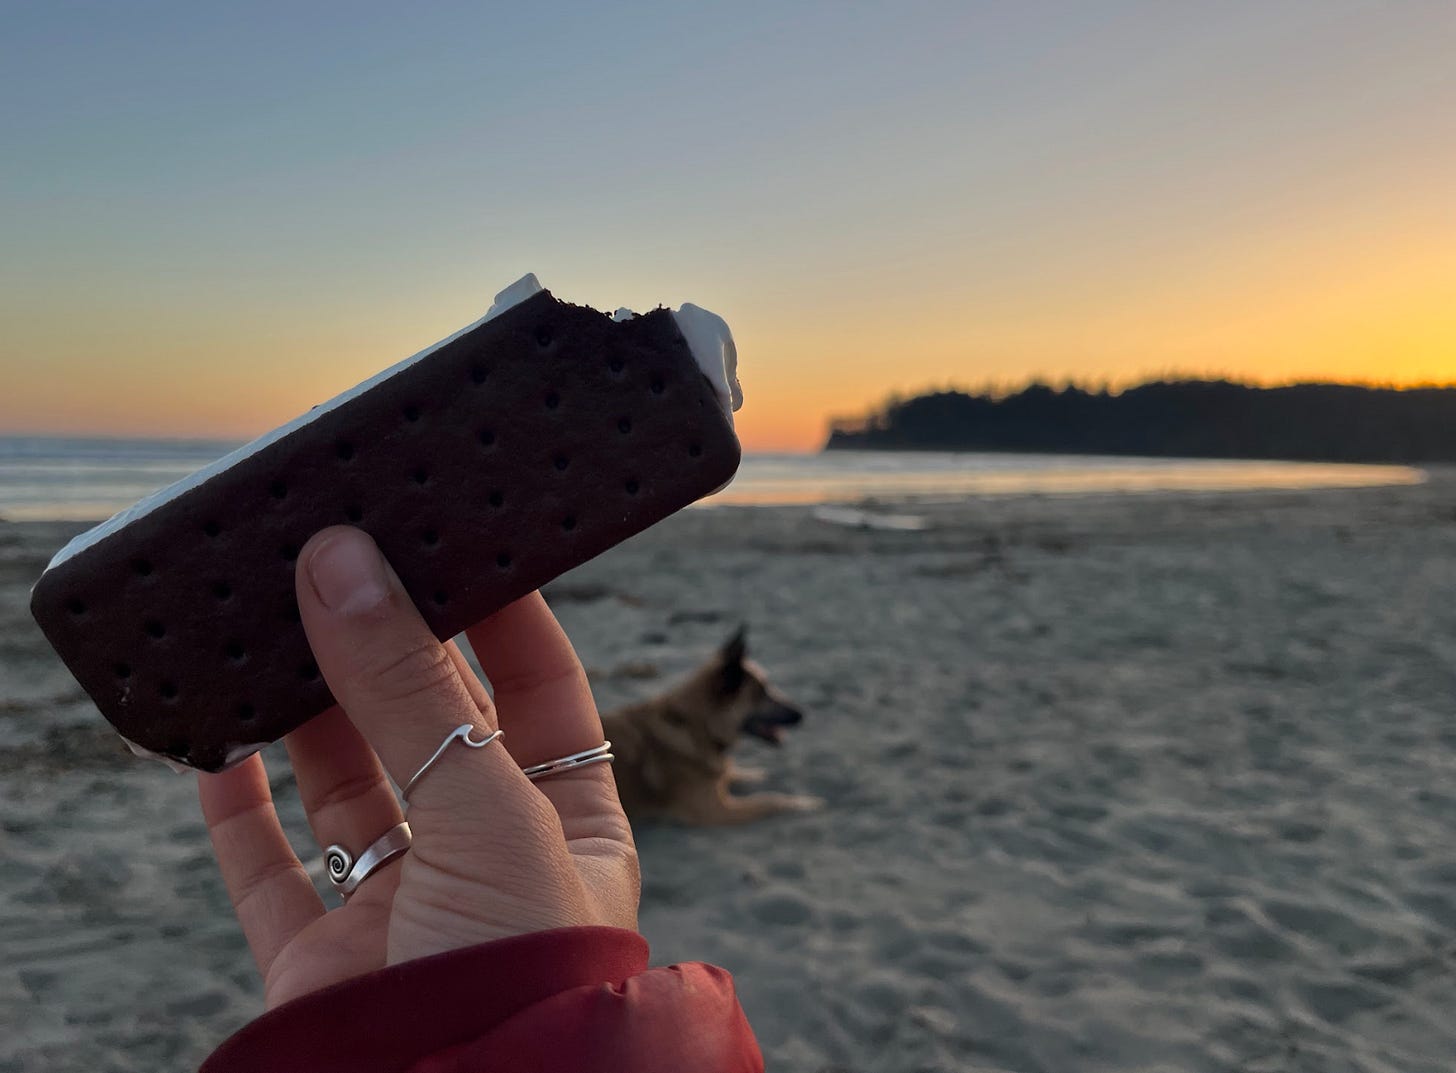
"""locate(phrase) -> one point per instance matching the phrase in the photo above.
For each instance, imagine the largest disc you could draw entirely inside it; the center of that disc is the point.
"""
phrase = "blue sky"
(876, 196)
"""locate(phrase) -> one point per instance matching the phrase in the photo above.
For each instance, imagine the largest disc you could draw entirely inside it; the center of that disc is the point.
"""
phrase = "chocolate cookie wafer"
(483, 467)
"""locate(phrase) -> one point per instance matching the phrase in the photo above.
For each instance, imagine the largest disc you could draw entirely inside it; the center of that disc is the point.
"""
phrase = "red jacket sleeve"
(567, 1000)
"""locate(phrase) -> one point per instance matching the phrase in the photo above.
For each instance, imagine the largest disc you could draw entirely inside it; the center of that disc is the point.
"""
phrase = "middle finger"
(542, 696)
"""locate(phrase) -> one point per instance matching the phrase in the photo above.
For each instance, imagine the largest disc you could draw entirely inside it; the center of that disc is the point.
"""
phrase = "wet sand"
(1113, 783)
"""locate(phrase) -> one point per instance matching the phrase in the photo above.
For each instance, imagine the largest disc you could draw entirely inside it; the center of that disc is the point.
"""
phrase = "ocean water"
(84, 479)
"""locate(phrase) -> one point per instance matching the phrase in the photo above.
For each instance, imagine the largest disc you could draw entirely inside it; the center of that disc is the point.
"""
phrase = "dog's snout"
(768, 720)
(788, 715)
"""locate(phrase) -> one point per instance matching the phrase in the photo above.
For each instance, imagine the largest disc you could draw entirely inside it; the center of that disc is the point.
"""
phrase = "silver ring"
(346, 873)
(460, 734)
(601, 754)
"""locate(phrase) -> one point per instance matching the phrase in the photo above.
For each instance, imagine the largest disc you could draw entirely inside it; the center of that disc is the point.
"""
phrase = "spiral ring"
(346, 871)
(339, 862)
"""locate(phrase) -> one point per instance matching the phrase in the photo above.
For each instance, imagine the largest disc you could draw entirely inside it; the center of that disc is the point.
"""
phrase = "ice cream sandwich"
(484, 466)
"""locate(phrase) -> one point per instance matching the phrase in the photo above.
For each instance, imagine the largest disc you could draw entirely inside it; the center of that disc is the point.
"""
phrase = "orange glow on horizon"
(1353, 305)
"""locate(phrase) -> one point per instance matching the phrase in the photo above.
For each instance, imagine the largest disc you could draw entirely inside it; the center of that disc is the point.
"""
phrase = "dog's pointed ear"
(736, 647)
(731, 656)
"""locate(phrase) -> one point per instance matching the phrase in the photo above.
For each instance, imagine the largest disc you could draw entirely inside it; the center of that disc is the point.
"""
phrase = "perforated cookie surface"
(508, 456)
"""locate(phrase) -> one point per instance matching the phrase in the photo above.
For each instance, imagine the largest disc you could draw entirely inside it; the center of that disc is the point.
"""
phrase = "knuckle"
(632, 869)
(344, 792)
(534, 679)
(422, 672)
(265, 883)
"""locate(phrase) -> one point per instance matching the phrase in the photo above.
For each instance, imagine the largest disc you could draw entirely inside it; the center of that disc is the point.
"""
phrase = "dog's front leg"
(745, 776)
(718, 806)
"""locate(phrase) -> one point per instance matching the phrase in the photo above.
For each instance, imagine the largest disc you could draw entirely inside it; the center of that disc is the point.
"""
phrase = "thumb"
(387, 670)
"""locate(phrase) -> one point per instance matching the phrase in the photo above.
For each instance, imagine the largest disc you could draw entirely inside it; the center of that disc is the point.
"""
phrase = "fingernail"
(347, 573)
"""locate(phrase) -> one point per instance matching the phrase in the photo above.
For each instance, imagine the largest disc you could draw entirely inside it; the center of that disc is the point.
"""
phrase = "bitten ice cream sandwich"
(484, 466)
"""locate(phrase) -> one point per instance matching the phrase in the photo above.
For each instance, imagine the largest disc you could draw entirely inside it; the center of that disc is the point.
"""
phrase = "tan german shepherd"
(672, 751)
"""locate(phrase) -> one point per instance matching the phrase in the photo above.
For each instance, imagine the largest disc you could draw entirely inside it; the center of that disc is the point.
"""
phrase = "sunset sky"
(214, 216)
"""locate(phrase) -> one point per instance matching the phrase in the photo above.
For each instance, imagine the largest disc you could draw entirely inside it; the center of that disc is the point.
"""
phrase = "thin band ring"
(346, 872)
(600, 754)
(460, 734)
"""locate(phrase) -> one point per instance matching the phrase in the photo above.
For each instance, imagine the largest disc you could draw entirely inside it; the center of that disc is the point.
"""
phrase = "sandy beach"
(1161, 782)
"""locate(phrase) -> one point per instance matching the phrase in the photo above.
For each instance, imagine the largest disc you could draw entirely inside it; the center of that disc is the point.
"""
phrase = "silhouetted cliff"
(1191, 419)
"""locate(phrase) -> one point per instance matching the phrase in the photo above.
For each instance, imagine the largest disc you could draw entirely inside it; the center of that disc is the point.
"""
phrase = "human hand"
(493, 853)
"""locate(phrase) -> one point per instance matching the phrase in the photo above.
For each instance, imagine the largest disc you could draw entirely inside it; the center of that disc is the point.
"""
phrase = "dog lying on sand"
(671, 751)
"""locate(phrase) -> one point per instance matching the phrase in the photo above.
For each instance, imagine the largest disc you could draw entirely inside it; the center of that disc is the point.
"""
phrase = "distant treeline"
(1187, 418)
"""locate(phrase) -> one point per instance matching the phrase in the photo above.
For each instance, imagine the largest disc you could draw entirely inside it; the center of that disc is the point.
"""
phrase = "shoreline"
(74, 482)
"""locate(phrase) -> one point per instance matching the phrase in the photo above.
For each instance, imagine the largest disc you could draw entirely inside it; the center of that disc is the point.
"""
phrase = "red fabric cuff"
(681, 1018)
(390, 1019)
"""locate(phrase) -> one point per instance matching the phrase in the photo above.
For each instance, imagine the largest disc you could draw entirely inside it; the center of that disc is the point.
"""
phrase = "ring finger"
(344, 791)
